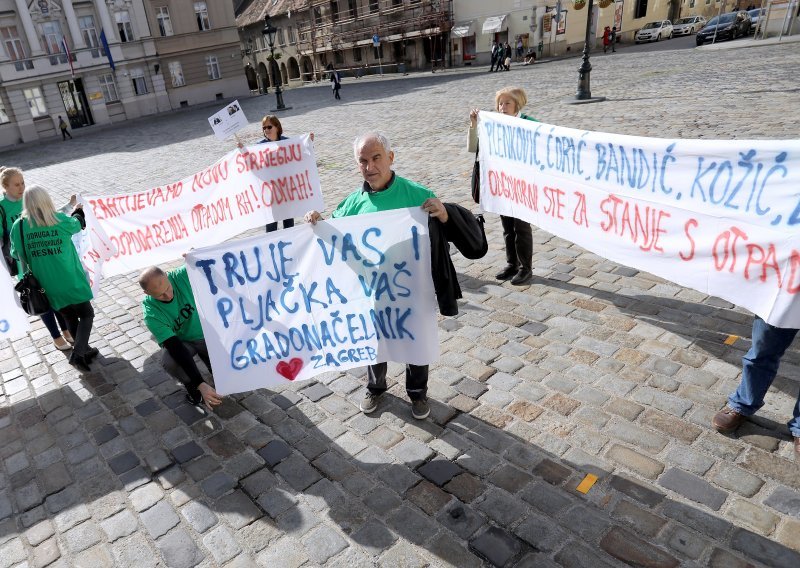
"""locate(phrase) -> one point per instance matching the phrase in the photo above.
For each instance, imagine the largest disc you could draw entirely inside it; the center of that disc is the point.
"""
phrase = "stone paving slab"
(593, 368)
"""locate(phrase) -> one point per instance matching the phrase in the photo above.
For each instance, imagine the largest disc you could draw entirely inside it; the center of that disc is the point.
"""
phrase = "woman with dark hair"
(42, 240)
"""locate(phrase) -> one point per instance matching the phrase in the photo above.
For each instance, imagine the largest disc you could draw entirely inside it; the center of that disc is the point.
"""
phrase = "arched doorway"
(262, 72)
(284, 74)
(294, 69)
(308, 69)
(252, 79)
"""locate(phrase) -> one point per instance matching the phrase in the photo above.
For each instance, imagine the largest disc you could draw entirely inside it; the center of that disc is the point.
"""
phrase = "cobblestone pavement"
(594, 368)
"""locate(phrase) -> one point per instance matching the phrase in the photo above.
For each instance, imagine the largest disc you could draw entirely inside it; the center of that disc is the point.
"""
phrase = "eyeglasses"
(268, 127)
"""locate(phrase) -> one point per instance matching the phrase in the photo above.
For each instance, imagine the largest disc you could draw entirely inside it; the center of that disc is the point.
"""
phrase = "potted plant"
(579, 4)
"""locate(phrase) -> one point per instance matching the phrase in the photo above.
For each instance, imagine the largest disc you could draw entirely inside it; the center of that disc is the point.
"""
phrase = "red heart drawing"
(291, 369)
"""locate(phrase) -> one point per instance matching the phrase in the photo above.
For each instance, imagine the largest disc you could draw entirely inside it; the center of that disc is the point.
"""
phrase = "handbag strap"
(477, 150)
(22, 248)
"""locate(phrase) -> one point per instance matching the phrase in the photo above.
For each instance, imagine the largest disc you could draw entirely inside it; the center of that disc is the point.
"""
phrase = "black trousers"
(79, 321)
(274, 226)
(416, 380)
(518, 237)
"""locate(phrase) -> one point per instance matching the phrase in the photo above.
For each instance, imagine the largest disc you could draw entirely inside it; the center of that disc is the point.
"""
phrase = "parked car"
(688, 26)
(725, 26)
(755, 15)
(654, 31)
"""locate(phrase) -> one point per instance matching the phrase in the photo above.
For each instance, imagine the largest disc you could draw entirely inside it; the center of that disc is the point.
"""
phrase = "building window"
(52, 36)
(397, 2)
(89, 33)
(317, 15)
(201, 12)
(12, 43)
(281, 37)
(356, 54)
(352, 9)
(164, 23)
(334, 12)
(292, 36)
(139, 84)
(641, 9)
(3, 114)
(109, 88)
(212, 66)
(124, 28)
(35, 101)
(374, 6)
(338, 58)
(176, 72)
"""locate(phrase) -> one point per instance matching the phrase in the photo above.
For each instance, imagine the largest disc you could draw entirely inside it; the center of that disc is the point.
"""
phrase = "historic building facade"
(355, 36)
(99, 61)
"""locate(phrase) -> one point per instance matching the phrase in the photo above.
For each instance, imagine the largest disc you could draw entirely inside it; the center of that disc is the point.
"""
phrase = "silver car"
(688, 26)
(654, 31)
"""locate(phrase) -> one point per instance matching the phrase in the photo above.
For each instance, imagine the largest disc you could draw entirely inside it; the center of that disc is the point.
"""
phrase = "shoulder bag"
(476, 177)
(32, 297)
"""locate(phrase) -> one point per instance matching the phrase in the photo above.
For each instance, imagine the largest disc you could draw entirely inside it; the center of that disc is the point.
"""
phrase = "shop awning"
(462, 30)
(494, 24)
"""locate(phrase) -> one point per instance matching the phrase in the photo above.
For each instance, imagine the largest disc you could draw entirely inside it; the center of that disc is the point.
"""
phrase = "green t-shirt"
(51, 256)
(179, 316)
(400, 194)
(11, 211)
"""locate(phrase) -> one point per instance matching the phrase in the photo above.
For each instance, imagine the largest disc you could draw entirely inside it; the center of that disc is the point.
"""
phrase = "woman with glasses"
(273, 131)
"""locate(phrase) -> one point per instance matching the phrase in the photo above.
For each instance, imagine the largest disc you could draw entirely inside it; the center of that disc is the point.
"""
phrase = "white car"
(654, 31)
(688, 26)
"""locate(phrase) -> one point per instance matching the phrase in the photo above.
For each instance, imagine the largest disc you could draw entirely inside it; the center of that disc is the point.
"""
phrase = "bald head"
(155, 283)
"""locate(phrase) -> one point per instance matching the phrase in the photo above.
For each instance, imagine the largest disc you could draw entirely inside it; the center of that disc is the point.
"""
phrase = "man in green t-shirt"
(383, 190)
(171, 316)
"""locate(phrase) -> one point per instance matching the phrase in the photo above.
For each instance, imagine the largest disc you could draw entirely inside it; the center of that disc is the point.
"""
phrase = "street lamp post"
(269, 32)
(584, 92)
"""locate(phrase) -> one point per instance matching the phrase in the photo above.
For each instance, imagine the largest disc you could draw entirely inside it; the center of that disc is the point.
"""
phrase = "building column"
(30, 30)
(72, 23)
(105, 20)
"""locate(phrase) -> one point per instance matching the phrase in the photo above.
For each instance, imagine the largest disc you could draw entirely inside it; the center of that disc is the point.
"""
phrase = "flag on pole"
(104, 43)
(69, 55)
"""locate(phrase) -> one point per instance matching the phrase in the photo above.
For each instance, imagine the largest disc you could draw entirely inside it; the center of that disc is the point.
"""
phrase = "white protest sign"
(228, 121)
(245, 189)
(290, 305)
(13, 321)
(721, 217)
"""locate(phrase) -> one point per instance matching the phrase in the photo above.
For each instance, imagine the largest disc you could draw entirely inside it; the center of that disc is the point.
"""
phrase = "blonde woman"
(42, 239)
(516, 233)
(13, 184)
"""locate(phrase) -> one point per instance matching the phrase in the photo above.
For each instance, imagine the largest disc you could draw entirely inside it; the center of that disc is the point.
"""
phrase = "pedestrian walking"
(520, 48)
(614, 39)
(13, 184)
(494, 54)
(606, 38)
(517, 233)
(42, 239)
(336, 83)
(63, 126)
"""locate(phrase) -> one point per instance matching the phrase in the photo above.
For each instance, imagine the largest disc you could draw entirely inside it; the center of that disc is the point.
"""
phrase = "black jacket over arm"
(465, 231)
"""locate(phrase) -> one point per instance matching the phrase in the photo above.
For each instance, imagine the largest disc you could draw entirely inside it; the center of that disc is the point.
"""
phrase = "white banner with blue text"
(719, 216)
(344, 293)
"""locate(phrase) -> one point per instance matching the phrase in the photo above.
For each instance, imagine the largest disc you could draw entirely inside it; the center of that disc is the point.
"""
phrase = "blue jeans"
(759, 367)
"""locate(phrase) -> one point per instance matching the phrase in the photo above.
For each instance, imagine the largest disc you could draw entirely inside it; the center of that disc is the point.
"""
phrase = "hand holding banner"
(327, 297)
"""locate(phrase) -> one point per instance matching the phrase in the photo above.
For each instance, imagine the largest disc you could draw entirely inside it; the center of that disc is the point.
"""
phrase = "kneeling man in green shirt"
(171, 316)
(383, 190)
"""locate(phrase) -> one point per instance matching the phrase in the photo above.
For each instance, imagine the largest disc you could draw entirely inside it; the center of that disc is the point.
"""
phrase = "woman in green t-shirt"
(13, 183)
(42, 239)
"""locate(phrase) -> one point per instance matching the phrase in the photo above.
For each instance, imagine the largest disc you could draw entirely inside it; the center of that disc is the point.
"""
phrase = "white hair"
(38, 208)
(379, 137)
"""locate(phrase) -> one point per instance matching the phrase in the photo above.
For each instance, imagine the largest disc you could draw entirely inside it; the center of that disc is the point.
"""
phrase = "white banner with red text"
(719, 216)
(343, 293)
(247, 188)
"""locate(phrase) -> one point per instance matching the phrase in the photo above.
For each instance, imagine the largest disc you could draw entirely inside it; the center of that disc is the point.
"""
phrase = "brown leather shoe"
(727, 420)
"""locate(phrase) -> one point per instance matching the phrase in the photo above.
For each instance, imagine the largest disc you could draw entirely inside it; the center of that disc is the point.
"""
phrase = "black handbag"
(32, 296)
(476, 178)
